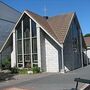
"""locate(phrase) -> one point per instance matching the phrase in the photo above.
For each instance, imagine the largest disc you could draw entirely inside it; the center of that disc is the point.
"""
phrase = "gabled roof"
(87, 41)
(60, 25)
(43, 22)
(56, 26)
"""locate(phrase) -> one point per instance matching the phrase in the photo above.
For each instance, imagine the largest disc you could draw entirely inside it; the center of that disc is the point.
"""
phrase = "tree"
(87, 35)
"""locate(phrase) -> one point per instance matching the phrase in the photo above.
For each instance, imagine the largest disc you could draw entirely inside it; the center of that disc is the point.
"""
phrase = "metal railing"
(77, 80)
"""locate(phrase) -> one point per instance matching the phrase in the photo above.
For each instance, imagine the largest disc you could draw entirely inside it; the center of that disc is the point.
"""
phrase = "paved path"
(16, 89)
(19, 79)
(46, 81)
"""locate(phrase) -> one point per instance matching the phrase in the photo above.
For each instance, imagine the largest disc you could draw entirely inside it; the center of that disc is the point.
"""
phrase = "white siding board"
(88, 53)
(52, 64)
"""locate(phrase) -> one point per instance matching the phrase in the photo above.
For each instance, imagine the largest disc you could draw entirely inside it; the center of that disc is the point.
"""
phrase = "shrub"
(36, 69)
(6, 64)
(87, 35)
(14, 70)
(23, 71)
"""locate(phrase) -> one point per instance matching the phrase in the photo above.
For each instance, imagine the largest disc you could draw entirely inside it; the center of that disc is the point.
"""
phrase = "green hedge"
(6, 63)
(14, 70)
(24, 70)
(36, 70)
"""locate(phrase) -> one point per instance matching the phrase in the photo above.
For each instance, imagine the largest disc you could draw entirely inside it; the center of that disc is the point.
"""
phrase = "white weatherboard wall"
(13, 54)
(52, 64)
(88, 53)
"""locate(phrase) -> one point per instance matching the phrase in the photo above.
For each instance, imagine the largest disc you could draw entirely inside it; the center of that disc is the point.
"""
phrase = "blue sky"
(56, 7)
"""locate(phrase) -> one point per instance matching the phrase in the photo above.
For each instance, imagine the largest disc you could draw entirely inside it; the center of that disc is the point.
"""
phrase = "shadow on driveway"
(4, 76)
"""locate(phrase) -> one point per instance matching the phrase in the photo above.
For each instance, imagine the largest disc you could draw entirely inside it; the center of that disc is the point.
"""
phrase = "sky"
(56, 7)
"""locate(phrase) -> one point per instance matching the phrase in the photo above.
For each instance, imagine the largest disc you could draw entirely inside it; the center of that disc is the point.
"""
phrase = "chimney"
(46, 17)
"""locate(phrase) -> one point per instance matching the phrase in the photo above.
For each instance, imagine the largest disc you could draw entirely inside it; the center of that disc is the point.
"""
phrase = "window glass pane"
(20, 65)
(27, 58)
(34, 45)
(26, 33)
(27, 65)
(74, 36)
(19, 46)
(35, 65)
(27, 61)
(26, 27)
(26, 46)
(19, 58)
(33, 24)
(34, 58)
(19, 31)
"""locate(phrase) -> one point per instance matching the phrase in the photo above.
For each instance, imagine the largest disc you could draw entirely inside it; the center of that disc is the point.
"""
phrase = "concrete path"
(18, 79)
(49, 81)
(15, 89)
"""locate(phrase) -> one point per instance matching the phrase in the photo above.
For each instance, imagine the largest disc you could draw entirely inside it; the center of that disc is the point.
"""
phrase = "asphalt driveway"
(49, 81)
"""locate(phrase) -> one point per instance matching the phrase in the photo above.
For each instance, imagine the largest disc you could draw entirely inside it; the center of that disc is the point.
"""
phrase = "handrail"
(81, 81)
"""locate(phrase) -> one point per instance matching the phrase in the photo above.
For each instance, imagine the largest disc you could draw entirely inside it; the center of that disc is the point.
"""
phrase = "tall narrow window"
(19, 31)
(19, 42)
(34, 34)
(26, 46)
(19, 58)
(19, 46)
(26, 41)
(26, 27)
(34, 43)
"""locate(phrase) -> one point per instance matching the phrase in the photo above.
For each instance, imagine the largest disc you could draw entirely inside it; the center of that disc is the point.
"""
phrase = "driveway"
(49, 81)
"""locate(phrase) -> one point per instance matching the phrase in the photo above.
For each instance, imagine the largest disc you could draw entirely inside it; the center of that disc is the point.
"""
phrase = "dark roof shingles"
(56, 26)
(43, 22)
(60, 25)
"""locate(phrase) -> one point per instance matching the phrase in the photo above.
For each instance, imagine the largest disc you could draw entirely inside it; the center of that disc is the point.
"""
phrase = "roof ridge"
(63, 23)
(61, 15)
(45, 21)
(49, 26)
(33, 13)
(69, 25)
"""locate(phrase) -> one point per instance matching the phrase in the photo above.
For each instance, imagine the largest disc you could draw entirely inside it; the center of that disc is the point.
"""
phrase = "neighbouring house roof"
(8, 19)
(56, 26)
(87, 41)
